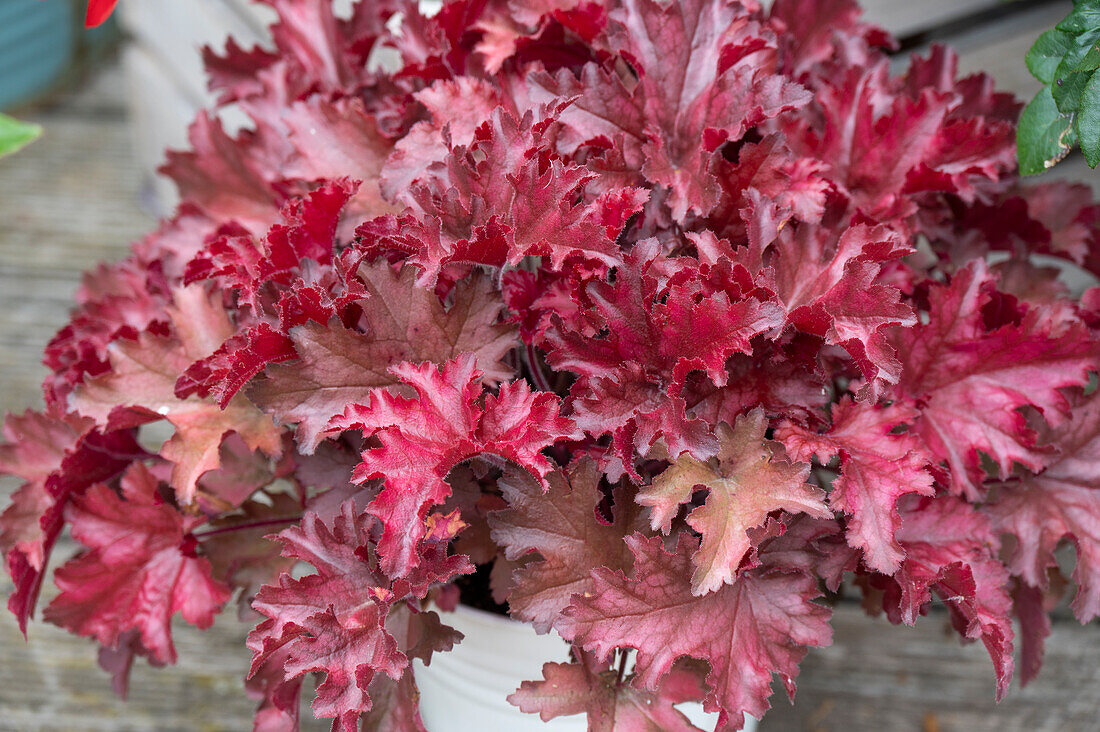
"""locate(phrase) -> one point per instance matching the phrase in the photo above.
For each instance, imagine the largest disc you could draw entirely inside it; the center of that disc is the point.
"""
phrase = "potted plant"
(651, 323)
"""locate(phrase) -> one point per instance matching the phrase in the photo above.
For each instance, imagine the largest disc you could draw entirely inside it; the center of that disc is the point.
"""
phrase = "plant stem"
(536, 371)
(249, 525)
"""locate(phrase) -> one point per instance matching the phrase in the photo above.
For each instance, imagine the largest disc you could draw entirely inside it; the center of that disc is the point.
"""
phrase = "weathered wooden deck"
(75, 197)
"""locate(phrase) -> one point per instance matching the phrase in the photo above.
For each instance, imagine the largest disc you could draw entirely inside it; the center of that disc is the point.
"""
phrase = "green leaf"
(1088, 121)
(1068, 84)
(1045, 135)
(1091, 61)
(1087, 51)
(1046, 53)
(1085, 16)
(15, 134)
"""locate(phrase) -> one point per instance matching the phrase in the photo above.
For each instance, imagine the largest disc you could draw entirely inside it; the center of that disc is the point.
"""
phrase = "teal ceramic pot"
(37, 42)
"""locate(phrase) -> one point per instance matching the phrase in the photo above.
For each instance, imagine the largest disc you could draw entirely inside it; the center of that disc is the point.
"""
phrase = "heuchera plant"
(665, 317)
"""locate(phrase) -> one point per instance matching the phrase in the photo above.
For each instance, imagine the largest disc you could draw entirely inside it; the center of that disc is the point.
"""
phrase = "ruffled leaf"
(745, 483)
(422, 439)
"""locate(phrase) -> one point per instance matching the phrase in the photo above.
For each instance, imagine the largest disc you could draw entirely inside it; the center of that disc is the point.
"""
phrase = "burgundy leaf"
(562, 526)
(748, 630)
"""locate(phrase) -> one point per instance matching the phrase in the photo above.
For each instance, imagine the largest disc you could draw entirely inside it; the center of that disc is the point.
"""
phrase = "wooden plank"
(53, 682)
(905, 18)
(68, 201)
(999, 48)
(879, 677)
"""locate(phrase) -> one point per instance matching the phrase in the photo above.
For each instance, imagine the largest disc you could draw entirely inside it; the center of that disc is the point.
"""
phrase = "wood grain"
(67, 201)
(877, 676)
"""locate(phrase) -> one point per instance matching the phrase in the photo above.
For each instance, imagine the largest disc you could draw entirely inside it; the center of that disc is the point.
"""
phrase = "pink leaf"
(141, 387)
(610, 704)
(877, 466)
(745, 483)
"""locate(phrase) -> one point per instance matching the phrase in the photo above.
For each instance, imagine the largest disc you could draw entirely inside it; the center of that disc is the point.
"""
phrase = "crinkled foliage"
(661, 314)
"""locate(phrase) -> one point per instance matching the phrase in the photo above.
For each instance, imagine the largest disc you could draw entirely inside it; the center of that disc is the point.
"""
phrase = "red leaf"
(402, 322)
(95, 457)
(338, 139)
(882, 146)
(308, 231)
(395, 706)
(877, 466)
(36, 446)
(828, 289)
(226, 370)
(322, 49)
(1035, 627)
(766, 177)
(223, 176)
(335, 620)
(970, 381)
(140, 569)
(423, 438)
(457, 108)
(241, 554)
(821, 30)
(757, 626)
(1061, 502)
(951, 549)
(642, 335)
(98, 12)
(505, 196)
(700, 73)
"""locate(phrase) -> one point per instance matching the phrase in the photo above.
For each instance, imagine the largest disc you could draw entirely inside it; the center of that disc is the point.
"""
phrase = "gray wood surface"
(880, 677)
(67, 201)
(75, 198)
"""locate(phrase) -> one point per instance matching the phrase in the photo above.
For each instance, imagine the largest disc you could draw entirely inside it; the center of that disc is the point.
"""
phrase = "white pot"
(466, 689)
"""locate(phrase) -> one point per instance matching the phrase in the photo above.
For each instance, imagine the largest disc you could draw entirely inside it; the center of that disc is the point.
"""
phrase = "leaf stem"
(244, 526)
(535, 369)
